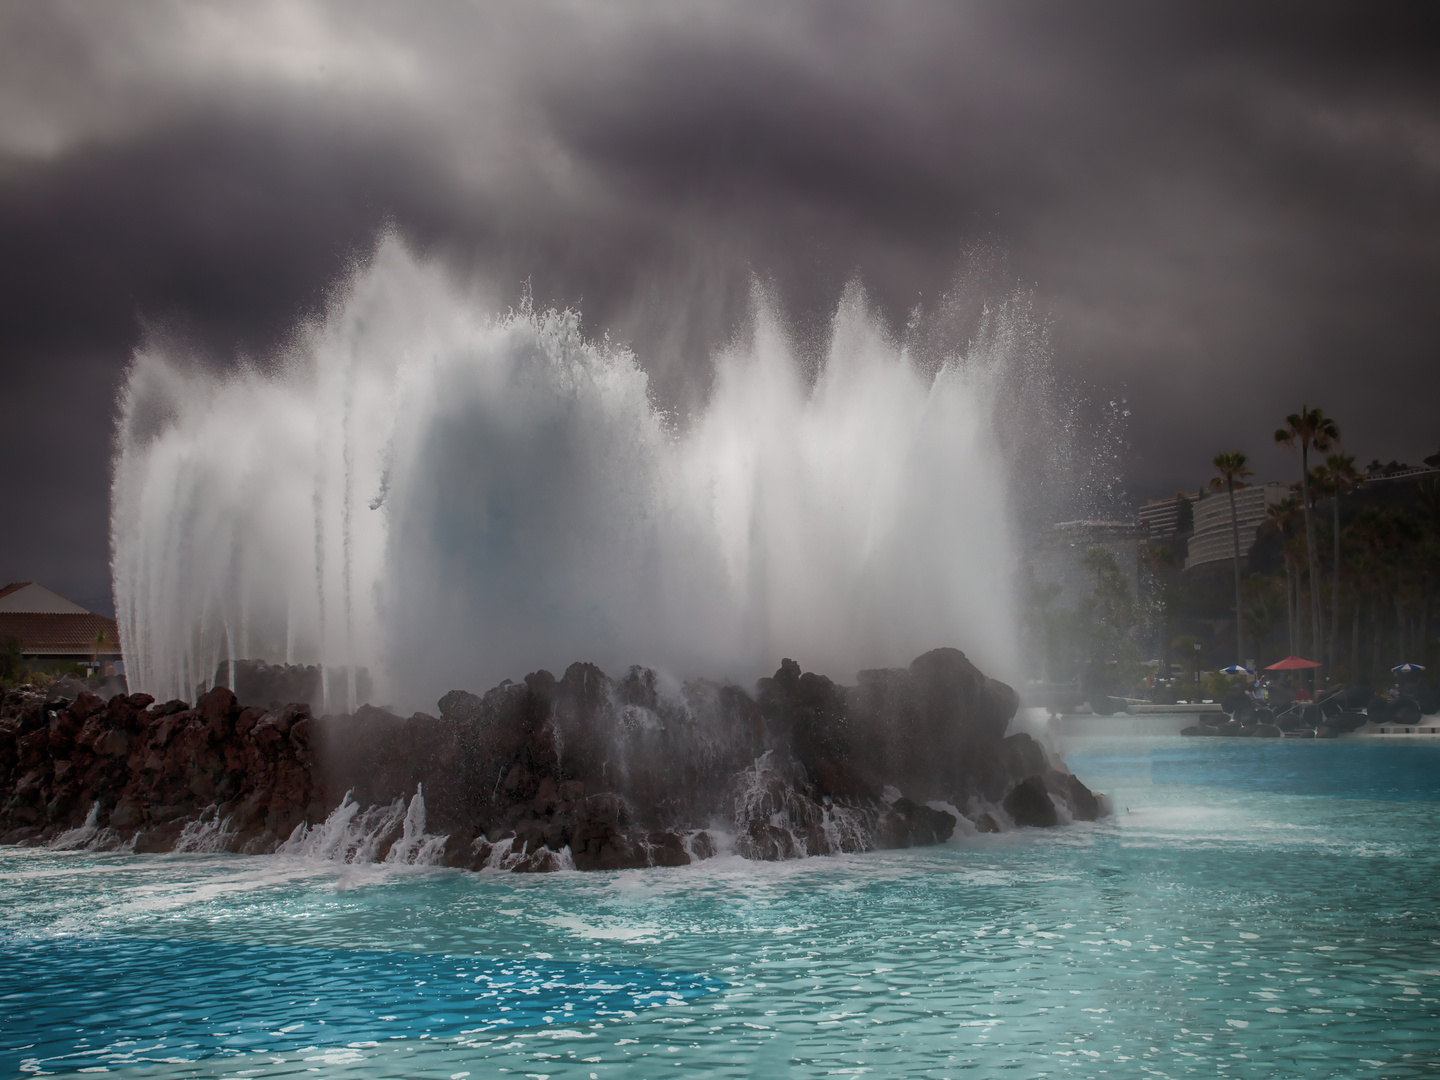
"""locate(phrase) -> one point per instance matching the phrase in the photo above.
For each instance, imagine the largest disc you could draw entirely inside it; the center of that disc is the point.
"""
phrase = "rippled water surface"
(1252, 910)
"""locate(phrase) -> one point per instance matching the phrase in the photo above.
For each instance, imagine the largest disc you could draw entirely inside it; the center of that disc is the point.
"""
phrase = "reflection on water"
(1226, 922)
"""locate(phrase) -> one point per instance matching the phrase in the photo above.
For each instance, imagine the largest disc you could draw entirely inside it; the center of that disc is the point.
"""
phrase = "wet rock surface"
(583, 771)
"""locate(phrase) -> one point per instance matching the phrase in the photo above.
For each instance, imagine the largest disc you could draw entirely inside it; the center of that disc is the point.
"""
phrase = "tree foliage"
(12, 664)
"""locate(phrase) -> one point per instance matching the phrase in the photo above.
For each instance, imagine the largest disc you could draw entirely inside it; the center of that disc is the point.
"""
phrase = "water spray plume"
(427, 496)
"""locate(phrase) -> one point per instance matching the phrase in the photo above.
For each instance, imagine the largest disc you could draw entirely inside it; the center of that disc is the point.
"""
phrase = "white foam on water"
(964, 827)
(393, 834)
(614, 932)
(159, 891)
(207, 833)
(84, 837)
(445, 497)
(416, 847)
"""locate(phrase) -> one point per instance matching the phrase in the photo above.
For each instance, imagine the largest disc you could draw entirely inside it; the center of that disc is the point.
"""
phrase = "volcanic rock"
(1029, 804)
(582, 771)
(986, 823)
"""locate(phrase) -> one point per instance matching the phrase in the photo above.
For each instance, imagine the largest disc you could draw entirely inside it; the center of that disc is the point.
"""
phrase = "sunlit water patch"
(1211, 928)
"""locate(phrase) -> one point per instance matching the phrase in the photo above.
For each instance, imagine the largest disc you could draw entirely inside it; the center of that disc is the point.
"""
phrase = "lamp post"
(1197, 671)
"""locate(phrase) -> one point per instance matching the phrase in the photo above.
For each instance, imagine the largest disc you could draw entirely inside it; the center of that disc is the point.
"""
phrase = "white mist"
(447, 498)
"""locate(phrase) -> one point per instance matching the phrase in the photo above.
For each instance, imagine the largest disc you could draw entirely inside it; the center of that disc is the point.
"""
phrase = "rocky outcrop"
(257, 683)
(148, 771)
(583, 770)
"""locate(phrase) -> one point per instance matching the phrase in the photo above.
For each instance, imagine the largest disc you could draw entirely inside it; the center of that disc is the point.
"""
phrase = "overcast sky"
(1221, 210)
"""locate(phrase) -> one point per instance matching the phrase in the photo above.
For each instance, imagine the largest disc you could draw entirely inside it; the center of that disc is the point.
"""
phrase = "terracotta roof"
(46, 634)
(32, 597)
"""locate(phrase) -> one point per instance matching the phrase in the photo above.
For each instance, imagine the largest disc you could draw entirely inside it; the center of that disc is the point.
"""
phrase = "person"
(1281, 695)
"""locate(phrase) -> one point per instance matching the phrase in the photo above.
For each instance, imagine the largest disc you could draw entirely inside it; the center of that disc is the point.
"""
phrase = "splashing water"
(88, 835)
(393, 834)
(441, 498)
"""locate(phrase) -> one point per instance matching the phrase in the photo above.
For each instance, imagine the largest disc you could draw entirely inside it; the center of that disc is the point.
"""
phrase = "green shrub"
(12, 664)
(1217, 686)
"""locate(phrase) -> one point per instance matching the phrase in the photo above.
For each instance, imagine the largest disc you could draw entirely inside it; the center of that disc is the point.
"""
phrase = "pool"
(1254, 909)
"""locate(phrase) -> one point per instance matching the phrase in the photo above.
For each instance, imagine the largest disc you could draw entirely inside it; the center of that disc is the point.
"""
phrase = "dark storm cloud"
(223, 237)
(1224, 210)
(1222, 216)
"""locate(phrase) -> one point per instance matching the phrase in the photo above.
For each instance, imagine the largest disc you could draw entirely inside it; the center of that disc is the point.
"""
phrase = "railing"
(1400, 474)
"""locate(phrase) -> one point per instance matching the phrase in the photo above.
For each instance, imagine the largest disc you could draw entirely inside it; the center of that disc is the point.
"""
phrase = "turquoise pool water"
(1252, 910)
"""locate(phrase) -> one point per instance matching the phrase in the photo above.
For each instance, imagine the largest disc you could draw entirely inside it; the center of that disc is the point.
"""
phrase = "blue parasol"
(1236, 669)
(1403, 669)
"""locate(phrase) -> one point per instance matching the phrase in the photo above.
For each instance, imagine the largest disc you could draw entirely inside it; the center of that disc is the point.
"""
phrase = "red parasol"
(1293, 663)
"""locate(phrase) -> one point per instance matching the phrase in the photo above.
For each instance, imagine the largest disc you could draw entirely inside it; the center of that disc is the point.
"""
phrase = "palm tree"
(1371, 533)
(1363, 575)
(101, 640)
(1385, 539)
(1337, 477)
(1427, 508)
(1038, 618)
(1164, 564)
(1262, 610)
(1311, 429)
(1281, 518)
(1231, 472)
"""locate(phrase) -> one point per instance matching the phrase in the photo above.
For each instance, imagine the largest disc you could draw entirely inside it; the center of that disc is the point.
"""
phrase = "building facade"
(52, 629)
(1213, 539)
(1160, 518)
